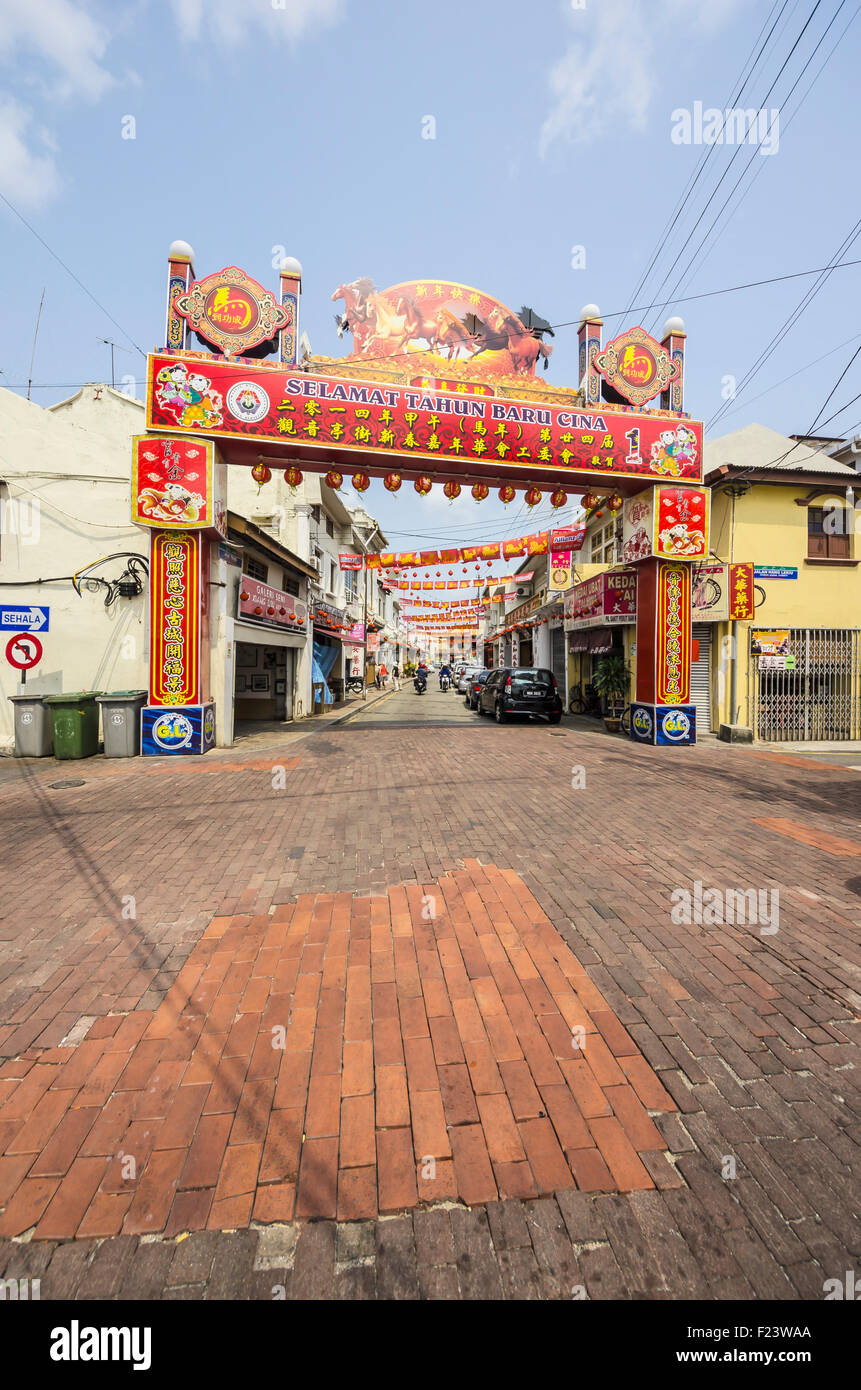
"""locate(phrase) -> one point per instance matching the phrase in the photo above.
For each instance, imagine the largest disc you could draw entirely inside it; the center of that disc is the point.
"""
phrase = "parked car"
(527, 690)
(463, 675)
(474, 684)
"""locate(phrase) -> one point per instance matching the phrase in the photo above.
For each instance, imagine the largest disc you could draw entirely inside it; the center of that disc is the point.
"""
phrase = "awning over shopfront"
(597, 639)
(267, 636)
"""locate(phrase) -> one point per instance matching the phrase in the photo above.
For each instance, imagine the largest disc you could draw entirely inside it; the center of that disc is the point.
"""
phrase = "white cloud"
(27, 175)
(64, 36)
(608, 76)
(229, 21)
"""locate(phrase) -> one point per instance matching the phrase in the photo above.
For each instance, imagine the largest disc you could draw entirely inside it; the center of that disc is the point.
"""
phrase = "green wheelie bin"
(76, 723)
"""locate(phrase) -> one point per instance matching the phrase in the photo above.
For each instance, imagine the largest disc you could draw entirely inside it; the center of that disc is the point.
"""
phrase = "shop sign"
(178, 483)
(351, 562)
(775, 571)
(232, 311)
(673, 635)
(770, 642)
(260, 603)
(567, 538)
(329, 618)
(636, 365)
(608, 599)
(339, 416)
(671, 523)
(517, 614)
(709, 595)
(175, 606)
(741, 599)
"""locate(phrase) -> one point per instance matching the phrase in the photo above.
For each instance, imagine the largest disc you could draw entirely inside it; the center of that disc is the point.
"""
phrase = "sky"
(556, 166)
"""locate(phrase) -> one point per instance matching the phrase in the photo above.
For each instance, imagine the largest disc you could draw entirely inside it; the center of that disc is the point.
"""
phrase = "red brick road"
(427, 912)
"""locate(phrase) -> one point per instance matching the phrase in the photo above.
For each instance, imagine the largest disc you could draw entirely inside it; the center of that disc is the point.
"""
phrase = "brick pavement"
(752, 1038)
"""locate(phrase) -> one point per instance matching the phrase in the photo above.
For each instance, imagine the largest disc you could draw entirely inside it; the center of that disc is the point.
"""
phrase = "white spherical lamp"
(674, 325)
(589, 311)
(290, 266)
(181, 251)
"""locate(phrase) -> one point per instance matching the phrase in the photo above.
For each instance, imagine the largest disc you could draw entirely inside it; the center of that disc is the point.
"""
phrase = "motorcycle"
(420, 684)
(443, 683)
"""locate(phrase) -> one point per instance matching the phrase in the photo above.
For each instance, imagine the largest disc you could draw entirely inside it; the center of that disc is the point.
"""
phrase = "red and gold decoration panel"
(178, 483)
(636, 366)
(175, 611)
(326, 415)
(667, 522)
(232, 311)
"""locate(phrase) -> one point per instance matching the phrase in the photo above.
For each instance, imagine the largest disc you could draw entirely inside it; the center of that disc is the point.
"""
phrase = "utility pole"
(35, 336)
(109, 343)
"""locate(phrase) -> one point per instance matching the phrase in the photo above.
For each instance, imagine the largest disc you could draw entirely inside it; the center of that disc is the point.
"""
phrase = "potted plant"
(611, 681)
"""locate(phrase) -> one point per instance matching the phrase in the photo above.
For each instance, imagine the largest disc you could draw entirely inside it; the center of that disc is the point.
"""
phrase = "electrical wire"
(735, 155)
(69, 271)
(704, 158)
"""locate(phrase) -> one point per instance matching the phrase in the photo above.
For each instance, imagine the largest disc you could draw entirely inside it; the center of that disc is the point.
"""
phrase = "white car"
(464, 675)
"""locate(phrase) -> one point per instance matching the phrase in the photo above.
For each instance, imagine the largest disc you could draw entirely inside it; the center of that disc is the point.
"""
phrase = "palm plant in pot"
(611, 681)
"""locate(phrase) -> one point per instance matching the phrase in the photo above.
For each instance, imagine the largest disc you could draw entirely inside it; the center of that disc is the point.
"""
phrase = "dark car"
(511, 690)
(475, 680)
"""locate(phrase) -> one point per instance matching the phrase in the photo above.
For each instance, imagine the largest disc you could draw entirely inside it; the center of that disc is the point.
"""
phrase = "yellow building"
(793, 673)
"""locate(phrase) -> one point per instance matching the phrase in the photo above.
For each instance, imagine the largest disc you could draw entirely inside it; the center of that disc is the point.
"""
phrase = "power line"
(704, 158)
(70, 272)
(737, 151)
(793, 318)
(826, 60)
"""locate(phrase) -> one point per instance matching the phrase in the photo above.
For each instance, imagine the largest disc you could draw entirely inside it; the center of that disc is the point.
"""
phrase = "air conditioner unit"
(521, 592)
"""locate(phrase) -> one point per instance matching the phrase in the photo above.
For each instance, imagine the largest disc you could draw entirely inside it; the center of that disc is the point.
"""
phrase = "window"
(827, 533)
(333, 577)
(351, 591)
(291, 585)
(315, 514)
(330, 526)
(603, 550)
(255, 569)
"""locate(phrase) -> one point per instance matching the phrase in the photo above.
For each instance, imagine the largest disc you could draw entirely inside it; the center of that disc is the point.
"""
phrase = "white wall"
(66, 473)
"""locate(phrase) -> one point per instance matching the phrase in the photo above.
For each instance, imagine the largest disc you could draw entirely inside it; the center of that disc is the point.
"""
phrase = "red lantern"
(452, 490)
(615, 500)
(589, 501)
(334, 480)
(532, 497)
(423, 485)
(392, 482)
(480, 491)
(558, 498)
(292, 477)
(507, 493)
(243, 596)
(261, 474)
(361, 482)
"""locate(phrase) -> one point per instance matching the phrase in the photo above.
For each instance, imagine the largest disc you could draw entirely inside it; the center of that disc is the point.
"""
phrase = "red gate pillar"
(662, 712)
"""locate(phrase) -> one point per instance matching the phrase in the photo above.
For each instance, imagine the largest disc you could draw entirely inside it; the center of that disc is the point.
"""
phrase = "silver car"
(463, 675)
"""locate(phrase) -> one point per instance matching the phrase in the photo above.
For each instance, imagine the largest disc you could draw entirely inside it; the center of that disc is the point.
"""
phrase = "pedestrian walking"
(384, 676)
(396, 677)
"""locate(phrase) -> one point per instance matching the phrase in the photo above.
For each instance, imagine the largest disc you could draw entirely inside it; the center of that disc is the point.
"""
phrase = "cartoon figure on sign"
(675, 452)
(175, 503)
(172, 390)
(204, 407)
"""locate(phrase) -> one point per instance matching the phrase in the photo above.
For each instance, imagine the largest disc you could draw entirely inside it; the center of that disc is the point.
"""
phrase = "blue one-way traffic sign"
(24, 619)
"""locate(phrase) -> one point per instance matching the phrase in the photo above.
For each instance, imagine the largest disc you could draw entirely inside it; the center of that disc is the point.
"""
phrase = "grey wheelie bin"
(34, 728)
(121, 722)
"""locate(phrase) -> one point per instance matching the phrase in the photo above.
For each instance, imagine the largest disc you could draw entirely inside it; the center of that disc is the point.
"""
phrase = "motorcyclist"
(422, 673)
(444, 670)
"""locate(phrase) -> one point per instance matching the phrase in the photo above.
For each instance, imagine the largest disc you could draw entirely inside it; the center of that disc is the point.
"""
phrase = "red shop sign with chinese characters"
(263, 604)
(334, 416)
(741, 600)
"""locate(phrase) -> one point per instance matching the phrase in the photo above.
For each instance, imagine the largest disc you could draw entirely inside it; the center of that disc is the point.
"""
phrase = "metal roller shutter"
(701, 684)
